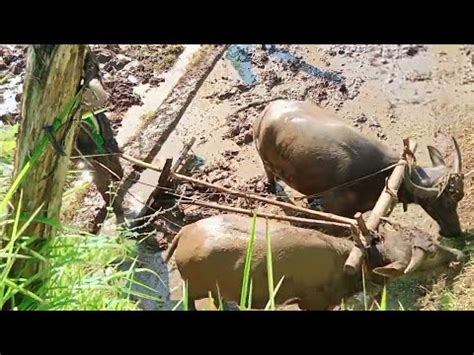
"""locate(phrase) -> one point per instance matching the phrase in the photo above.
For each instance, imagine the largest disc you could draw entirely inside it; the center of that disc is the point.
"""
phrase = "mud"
(122, 68)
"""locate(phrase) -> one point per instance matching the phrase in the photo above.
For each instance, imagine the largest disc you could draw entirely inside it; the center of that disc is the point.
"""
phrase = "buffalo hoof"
(315, 204)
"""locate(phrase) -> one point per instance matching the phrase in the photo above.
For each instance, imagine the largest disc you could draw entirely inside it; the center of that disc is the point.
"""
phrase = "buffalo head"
(409, 250)
(438, 190)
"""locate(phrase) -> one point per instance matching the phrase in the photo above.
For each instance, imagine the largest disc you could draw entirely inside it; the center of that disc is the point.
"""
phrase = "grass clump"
(79, 271)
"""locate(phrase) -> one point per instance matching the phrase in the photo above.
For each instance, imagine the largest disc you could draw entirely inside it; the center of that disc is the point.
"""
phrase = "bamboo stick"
(319, 215)
(262, 214)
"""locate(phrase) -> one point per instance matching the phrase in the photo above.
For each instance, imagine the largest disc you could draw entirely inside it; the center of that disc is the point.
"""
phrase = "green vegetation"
(82, 271)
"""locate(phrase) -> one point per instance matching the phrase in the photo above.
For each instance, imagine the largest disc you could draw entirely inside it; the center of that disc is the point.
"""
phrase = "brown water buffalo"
(313, 151)
(213, 250)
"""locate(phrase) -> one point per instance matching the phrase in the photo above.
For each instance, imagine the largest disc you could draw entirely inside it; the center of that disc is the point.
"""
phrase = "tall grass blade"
(221, 304)
(210, 299)
(375, 304)
(185, 296)
(55, 223)
(364, 288)
(275, 291)
(13, 255)
(177, 305)
(401, 306)
(244, 296)
(383, 302)
(22, 290)
(342, 307)
(269, 267)
(249, 301)
(17, 216)
(29, 220)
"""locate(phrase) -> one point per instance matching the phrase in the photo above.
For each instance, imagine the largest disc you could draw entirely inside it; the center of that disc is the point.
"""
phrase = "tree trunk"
(53, 78)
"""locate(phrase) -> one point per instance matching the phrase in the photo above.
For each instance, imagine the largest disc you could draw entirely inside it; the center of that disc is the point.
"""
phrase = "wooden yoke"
(384, 206)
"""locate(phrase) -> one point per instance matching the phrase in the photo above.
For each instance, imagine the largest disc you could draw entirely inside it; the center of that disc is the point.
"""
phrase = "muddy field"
(390, 92)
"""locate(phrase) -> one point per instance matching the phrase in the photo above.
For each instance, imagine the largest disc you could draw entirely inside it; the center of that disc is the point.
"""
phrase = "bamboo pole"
(320, 215)
(262, 214)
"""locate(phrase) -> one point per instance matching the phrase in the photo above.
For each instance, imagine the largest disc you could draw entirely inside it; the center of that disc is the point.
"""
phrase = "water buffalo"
(103, 161)
(213, 250)
(313, 151)
(96, 142)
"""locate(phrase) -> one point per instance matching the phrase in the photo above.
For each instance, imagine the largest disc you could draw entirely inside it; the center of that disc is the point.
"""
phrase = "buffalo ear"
(392, 270)
(436, 157)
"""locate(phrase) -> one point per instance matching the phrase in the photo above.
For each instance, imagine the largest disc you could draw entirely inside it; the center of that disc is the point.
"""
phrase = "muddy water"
(8, 92)
(198, 124)
(423, 95)
(241, 59)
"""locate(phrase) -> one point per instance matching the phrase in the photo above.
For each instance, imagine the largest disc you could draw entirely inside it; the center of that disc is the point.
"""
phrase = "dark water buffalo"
(213, 250)
(104, 163)
(100, 153)
(313, 151)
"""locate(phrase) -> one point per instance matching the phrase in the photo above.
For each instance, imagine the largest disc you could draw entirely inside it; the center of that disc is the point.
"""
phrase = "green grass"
(383, 302)
(270, 268)
(7, 151)
(245, 296)
(80, 271)
(84, 273)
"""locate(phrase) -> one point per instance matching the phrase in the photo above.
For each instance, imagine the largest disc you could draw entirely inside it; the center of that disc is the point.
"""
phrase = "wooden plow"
(363, 232)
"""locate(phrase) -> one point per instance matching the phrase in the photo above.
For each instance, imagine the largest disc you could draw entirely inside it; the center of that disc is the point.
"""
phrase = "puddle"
(8, 92)
(286, 56)
(241, 59)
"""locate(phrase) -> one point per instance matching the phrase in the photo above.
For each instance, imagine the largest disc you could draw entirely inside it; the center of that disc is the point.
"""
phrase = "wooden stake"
(362, 226)
(182, 155)
(164, 179)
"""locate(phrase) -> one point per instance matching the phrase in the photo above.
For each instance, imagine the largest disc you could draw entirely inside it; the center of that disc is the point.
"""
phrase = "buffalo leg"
(102, 181)
(271, 180)
(315, 203)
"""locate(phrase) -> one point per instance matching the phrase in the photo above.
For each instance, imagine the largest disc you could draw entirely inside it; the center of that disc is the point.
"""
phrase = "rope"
(349, 183)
